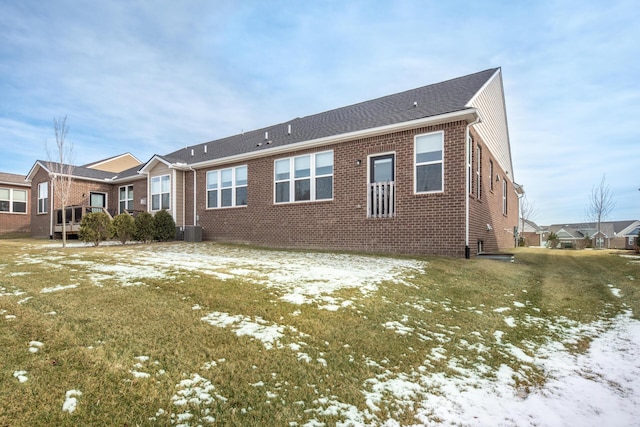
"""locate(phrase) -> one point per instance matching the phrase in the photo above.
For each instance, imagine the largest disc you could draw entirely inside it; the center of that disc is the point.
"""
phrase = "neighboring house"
(96, 187)
(612, 234)
(425, 171)
(533, 234)
(14, 204)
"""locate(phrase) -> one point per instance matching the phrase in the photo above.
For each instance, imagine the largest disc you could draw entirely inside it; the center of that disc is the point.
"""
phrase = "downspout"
(51, 204)
(184, 199)
(467, 248)
(195, 222)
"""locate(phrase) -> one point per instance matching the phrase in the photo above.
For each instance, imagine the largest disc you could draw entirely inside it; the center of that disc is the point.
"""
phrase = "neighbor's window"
(13, 201)
(160, 192)
(126, 198)
(304, 178)
(227, 187)
(43, 197)
(429, 169)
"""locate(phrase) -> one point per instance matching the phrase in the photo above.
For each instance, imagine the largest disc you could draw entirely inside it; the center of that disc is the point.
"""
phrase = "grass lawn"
(209, 334)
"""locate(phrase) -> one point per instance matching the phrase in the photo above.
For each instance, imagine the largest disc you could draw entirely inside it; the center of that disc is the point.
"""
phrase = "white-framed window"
(429, 165)
(470, 163)
(13, 201)
(478, 172)
(227, 187)
(304, 178)
(160, 192)
(43, 197)
(504, 196)
(125, 196)
(491, 175)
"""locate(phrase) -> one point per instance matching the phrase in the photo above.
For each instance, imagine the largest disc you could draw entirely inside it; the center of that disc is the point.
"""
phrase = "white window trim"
(45, 208)
(233, 187)
(491, 175)
(416, 164)
(504, 196)
(159, 177)
(312, 178)
(470, 163)
(126, 200)
(478, 172)
(12, 200)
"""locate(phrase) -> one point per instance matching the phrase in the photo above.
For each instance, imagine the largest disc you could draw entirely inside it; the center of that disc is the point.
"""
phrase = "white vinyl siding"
(304, 178)
(227, 187)
(13, 201)
(429, 165)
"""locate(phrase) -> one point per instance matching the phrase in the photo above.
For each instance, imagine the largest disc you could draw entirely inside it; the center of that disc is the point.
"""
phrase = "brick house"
(109, 185)
(425, 171)
(14, 204)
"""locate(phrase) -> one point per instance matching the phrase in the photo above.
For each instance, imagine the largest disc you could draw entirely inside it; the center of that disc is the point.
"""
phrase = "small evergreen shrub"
(95, 227)
(123, 227)
(553, 240)
(165, 226)
(144, 227)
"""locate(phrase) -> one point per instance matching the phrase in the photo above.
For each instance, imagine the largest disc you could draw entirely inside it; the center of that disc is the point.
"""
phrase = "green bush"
(553, 240)
(123, 227)
(144, 227)
(165, 226)
(95, 227)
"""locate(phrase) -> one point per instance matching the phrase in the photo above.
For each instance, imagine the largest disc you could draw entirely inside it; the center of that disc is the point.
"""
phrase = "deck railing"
(381, 200)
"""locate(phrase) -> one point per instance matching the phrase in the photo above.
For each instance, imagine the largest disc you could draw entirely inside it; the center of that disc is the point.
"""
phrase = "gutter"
(470, 115)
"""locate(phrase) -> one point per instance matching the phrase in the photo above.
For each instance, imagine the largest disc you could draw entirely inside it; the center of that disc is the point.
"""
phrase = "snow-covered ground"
(597, 388)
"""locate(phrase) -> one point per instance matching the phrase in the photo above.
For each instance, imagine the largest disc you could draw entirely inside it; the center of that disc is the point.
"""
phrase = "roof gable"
(117, 163)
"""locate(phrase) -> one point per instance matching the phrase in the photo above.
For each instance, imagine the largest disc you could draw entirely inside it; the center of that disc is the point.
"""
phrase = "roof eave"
(469, 115)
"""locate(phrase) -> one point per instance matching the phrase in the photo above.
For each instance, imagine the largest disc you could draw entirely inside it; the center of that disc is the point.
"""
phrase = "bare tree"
(600, 204)
(528, 211)
(60, 165)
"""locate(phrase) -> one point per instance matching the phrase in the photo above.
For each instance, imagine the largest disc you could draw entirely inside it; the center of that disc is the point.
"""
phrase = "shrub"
(95, 227)
(123, 227)
(638, 244)
(165, 226)
(552, 240)
(144, 227)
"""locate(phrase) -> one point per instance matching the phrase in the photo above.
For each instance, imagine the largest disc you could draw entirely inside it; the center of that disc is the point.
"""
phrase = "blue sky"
(150, 77)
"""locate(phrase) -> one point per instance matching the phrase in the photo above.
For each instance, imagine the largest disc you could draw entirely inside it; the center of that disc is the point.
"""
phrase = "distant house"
(14, 204)
(612, 234)
(533, 234)
(425, 171)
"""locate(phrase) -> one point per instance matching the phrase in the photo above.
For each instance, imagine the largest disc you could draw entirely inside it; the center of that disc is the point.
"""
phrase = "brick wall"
(15, 222)
(488, 208)
(426, 223)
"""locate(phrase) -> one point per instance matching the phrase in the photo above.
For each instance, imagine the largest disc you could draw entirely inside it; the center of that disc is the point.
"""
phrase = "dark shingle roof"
(12, 178)
(432, 100)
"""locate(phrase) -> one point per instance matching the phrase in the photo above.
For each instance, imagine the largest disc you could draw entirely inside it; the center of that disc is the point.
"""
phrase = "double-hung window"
(504, 196)
(160, 192)
(227, 187)
(478, 172)
(304, 178)
(13, 201)
(43, 197)
(126, 198)
(429, 167)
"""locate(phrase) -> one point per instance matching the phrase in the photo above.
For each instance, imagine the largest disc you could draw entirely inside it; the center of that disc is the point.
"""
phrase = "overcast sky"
(150, 77)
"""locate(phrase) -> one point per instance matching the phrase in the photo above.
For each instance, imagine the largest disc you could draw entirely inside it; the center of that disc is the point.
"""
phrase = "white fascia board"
(487, 83)
(155, 159)
(468, 115)
(34, 170)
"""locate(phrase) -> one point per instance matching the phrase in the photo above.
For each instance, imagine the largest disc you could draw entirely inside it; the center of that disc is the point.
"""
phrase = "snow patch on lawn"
(71, 401)
(57, 288)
